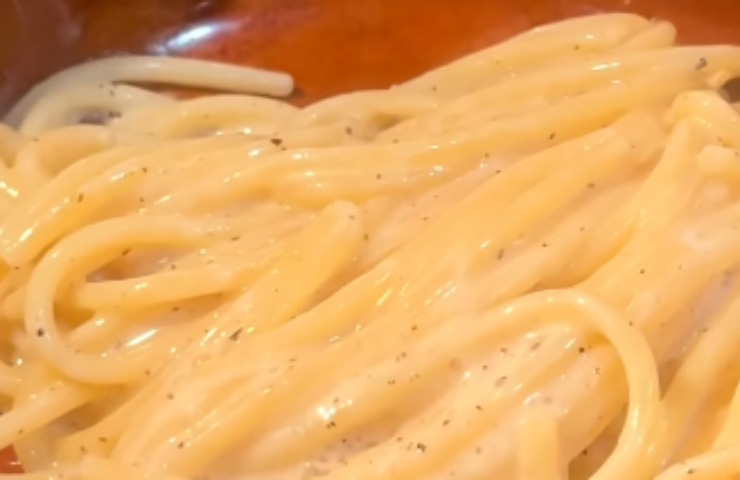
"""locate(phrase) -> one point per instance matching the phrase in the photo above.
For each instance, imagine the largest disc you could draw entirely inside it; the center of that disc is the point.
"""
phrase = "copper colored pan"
(330, 46)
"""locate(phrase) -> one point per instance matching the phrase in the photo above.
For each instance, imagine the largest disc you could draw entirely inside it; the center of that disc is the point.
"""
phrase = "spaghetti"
(537, 242)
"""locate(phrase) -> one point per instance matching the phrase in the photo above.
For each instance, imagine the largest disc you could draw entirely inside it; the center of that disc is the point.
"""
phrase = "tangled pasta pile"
(519, 265)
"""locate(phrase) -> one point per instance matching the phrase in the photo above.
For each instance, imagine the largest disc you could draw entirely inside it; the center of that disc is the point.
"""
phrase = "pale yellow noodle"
(158, 70)
(517, 265)
(538, 447)
(69, 105)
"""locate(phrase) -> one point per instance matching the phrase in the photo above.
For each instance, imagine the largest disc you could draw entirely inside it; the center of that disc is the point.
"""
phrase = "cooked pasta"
(520, 265)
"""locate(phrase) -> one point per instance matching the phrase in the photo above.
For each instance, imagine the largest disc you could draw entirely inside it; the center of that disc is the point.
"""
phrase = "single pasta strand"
(718, 463)
(173, 71)
(11, 142)
(538, 447)
(93, 467)
(729, 434)
(70, 104)
(374, 104)
(166, 287)
(203, 115)
(660, 34)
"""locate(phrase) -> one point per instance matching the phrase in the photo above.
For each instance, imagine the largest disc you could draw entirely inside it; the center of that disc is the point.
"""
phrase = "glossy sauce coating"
(330, 46)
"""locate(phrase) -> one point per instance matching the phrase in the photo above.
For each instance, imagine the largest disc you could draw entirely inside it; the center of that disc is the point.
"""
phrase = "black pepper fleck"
(235, 336)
